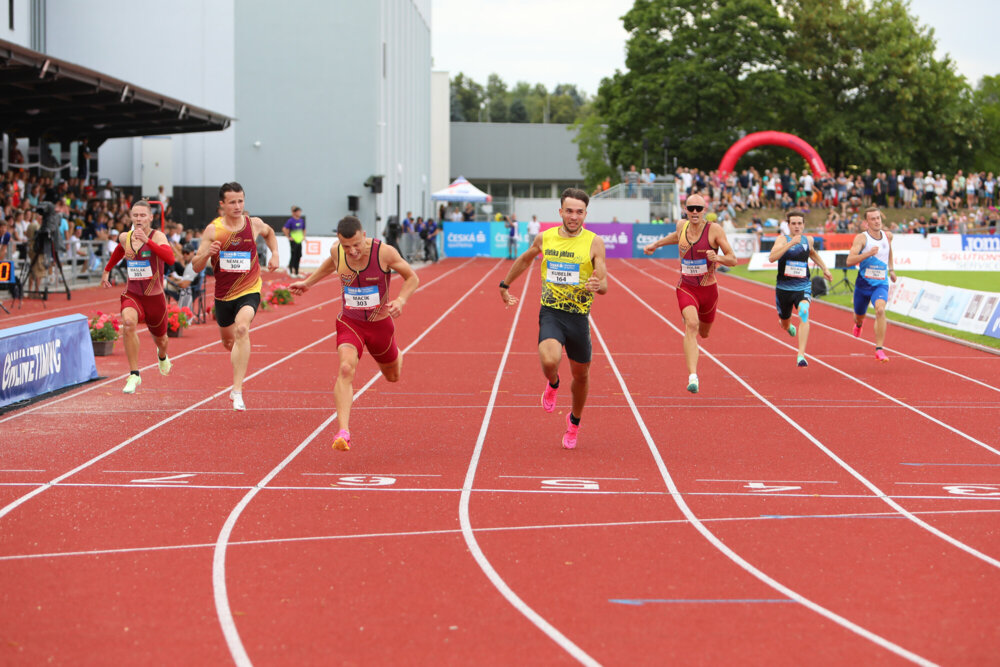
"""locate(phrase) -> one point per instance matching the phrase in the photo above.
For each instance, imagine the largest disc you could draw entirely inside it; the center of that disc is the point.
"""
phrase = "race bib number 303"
(139, 269)
(234, 260)
(694, 267)
(562, 273)
(361, 297)
(796, 269)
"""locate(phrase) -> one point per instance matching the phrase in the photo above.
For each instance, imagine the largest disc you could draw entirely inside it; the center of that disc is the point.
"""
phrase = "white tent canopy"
(461, 190)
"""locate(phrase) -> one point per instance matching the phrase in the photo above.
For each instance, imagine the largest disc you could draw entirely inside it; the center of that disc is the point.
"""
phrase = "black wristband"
(504, 285)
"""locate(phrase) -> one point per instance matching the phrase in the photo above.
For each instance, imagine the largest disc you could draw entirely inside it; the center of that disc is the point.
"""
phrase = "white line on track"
(222, 608)
(851, 336)
(11, 506)
(72, 393)
(826, 450)
(834, 369)
(469, 535)
(454, 531)
(699, 525)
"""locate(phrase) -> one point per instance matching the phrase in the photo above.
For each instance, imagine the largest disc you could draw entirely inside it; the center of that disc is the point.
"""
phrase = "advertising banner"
(467, 239)
(903, 293)
(993, 328)
(644, 234)
(500, 234)
(928, 301)
(980, 243)
(45, 356)
(977, 314)
(952, 306)
(962, 261)
(744, 245)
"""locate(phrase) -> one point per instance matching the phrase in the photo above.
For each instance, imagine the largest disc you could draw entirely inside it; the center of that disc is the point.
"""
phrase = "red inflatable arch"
(771, 138)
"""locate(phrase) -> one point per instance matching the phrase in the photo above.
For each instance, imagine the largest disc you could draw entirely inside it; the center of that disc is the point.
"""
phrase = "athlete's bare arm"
(520, 265)
(670, 239)
(261, 228)
(781, 246)
(717, 237)
(329, 265)
(855, 255)
(892, 271)
(598, 280)
(208, 247)
(390, 258)
(814, 255)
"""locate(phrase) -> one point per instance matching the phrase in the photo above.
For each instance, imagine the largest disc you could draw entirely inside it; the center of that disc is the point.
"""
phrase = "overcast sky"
(582, 41)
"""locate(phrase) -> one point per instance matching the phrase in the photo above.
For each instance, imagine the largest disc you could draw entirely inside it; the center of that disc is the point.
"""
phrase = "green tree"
(496, 99)
(518, 112)
(466, 97)
(987, 102)
(592, 147)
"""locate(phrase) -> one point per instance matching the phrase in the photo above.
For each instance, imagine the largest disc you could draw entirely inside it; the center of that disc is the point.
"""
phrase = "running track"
(843, 513)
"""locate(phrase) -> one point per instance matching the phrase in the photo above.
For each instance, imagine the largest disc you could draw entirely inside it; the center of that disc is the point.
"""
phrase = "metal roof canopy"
(55, 100)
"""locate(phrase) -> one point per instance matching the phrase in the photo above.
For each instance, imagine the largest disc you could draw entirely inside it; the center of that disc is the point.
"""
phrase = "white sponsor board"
(931, 242)
(903, 293)
(744, 245)
(978, 311)
(315, 249)
(910, 260)
(928, 301)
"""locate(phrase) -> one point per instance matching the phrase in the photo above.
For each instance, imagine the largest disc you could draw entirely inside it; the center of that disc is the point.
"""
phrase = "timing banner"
(6, 272)
(45, 356)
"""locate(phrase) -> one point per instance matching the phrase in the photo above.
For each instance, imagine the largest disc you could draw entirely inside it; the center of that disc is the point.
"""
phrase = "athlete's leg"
(691, 330)
(803, 330)
(550, 354)
(130, 322)
(880, 322)
(239, 348)
(161, 345)
(704, 328)
(391, 371)
(343, 389)
(580, 386)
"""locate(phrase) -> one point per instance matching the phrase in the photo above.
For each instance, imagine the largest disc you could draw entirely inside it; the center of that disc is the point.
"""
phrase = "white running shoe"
(693, 383)
(238, 403)
(131, 384)
(165, 365)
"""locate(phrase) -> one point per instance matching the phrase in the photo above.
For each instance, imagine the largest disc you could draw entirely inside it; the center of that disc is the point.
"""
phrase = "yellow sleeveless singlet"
(566, 266)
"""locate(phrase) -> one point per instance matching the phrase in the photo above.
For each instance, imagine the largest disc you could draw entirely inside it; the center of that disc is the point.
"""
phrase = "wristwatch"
(504, 285)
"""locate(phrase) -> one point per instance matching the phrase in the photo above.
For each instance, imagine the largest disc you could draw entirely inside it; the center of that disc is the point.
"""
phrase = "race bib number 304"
(796, 269)
(562, 273)
(872, 273)
(234, 260)
(694, 267)
(361, 297)
(139, 269)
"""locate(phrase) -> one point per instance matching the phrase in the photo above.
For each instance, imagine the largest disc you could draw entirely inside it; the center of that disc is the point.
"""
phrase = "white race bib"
(874, 273)
(361, 297)
(796, 269)
(139, 269)
(235, 260)
(562, 273)
(694, 267)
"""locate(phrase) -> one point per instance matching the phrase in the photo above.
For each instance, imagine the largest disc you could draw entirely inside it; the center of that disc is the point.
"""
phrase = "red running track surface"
(845, 512)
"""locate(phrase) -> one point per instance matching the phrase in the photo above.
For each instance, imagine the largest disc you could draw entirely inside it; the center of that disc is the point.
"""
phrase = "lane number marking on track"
(566, 484)
(365, 480)
(181, 478)
(973, 490)
(770, 488)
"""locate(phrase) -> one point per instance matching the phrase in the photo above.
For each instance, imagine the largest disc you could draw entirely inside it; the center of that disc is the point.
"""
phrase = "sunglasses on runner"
(695, 209)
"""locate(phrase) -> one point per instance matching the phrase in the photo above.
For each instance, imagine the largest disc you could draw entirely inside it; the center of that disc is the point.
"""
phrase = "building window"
(521, 190)
(541, 190)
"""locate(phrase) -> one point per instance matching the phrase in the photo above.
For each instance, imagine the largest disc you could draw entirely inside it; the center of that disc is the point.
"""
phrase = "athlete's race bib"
(139, 269)
(874, 273)
(361, 297)
(235, 260)
(562, 273)
(694, 267)
(796, 269)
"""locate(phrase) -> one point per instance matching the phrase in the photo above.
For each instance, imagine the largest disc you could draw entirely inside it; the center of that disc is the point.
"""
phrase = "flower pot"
(174, 334)
(103, 348)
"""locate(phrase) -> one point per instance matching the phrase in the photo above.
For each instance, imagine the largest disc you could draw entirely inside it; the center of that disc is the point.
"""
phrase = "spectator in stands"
(428, 235)
(178, 285)
(534, 228)
(5, 238)
(512, 235)
(632, 181)
(468, 213)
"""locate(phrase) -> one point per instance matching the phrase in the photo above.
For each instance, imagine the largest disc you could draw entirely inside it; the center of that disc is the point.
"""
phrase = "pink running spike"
(549, 397)
(343, 440)
(881, 355)
(857, 330)
(569, 437)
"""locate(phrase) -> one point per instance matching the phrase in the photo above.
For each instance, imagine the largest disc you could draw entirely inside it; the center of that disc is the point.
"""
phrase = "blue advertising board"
(499, 235)
(467, 239)
(980, 243)
(993, 328)
(44, 356)
(644, 234)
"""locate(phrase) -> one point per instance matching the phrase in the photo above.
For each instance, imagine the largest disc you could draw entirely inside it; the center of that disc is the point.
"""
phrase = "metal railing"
(662, 196)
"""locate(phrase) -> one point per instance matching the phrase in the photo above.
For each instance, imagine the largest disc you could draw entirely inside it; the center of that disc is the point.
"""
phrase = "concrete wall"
(440, 130)
(21, 34)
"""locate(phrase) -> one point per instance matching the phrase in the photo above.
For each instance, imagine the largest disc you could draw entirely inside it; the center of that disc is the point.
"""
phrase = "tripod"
(42, 239)
(840, 262)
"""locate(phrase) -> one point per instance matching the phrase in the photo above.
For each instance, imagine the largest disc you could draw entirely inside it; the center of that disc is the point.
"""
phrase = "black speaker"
(818, 286)
(353, 203)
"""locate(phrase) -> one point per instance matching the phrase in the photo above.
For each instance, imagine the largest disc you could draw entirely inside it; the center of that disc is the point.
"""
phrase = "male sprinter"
(792, 252)
(146, 251)
(573, 270)
(872, 252)
(230, 241)
(698, 291)
(364, 266)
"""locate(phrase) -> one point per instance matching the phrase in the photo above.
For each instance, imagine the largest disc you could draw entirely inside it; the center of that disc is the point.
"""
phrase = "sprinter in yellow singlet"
(573, 270)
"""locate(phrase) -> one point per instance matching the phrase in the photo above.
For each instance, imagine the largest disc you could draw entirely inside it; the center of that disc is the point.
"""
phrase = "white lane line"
(839, 371)
(10, 507)
(851, 336)
(455, 531)
(826, 450)
(624, 479)
(72, 393)
(467, 531)
(223, 610)
(169, 472)
(699, 525)
(770, 481)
